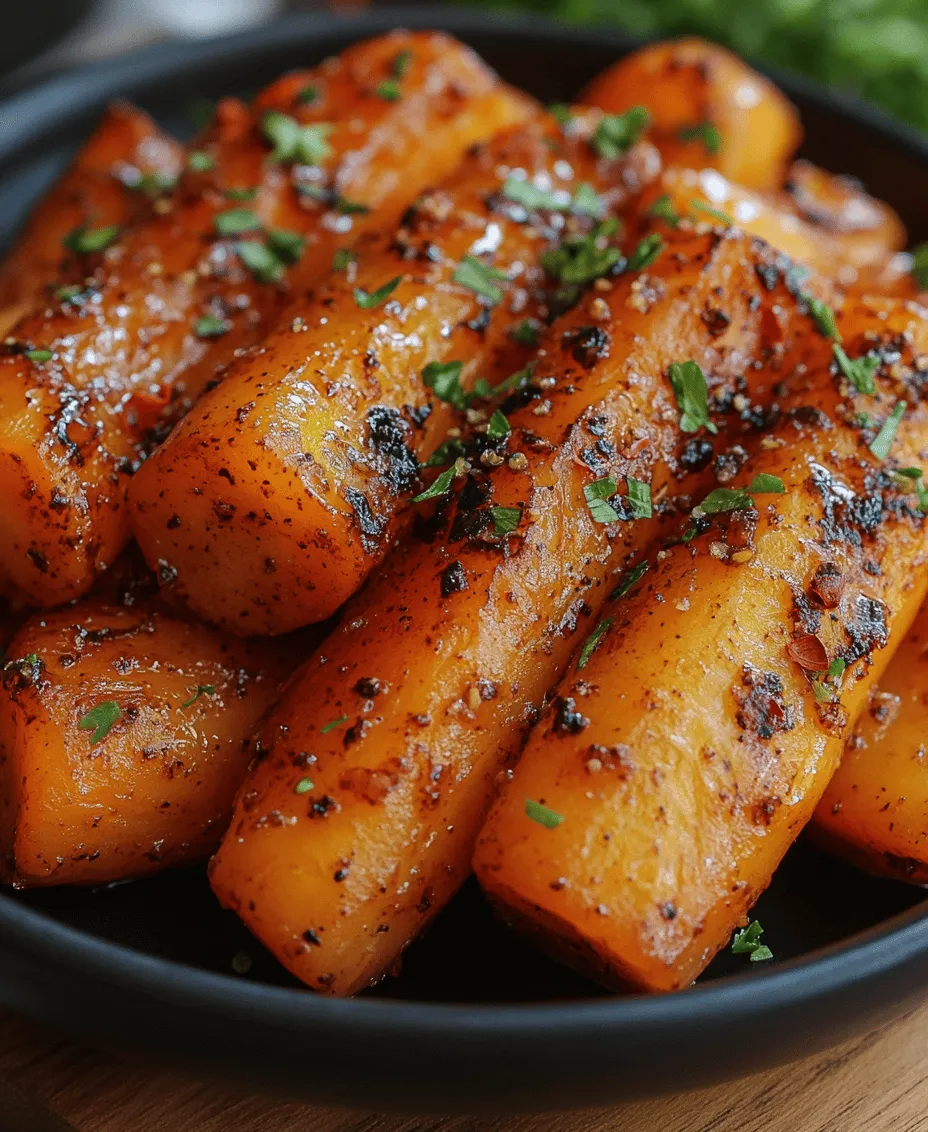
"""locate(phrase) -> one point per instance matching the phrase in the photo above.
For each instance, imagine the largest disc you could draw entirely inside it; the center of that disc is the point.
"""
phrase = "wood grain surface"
(876, 1083)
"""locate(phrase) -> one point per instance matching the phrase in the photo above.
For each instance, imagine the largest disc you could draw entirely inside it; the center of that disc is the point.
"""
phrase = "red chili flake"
(808, 652)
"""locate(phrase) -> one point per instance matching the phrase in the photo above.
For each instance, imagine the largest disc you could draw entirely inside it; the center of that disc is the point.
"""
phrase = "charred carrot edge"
(296, 469)
(874, 812)
(690, 745)
(167, 302)
(421, 699)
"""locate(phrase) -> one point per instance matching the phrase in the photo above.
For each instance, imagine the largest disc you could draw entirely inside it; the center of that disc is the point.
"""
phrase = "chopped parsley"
(526, 333)
(629, 579)
(248, 192)
(740, 498)
(479, 278)
(561, 113)
(663, 209)
(505, 519)
(881, 443)
(593, 641)
(307, 96)
(285, 244)
(153, 184)
(39, 356)
(446, 451)
(858, 371)
(327, 727)
(401, 63)
(86, 240)
(707, 133)
(201, 690)
(541, 814)
(263, 264)
(342, 258)
(498, 428)
(616, 133)
(639, 498)
(646, 253)
(235, 221)
(523, 192)
(440, 486)
(597, 495)
(199, 161)
(291, 142)
(827, 685)
(747, 942)
(823, 317)
(389, 90)
(368, 300)
(100, 720)
(692, 393)
(444, 379)
(73, 293)
(586, 201)
(210, 327)
(912, 478)
(920, 266)
(715, 213)
(303, 786)
(581, 259)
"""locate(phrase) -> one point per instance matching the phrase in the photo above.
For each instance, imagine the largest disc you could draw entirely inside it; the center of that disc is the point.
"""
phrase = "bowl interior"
(466, 957)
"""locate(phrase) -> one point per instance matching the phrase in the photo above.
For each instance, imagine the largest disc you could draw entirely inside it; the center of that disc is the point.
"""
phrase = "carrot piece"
(684, 757)
(709, 109)
(120, 169)
(294, 470)
(124, 735)
(172, 299)
(421, 698)
(875, 810)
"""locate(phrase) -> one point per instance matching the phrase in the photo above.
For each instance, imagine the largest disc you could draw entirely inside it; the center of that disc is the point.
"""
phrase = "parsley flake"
(639, 498)
(86, 240)
(210, 327)
(596, 495)
(303, 786)
(327, 727)
(368, 300)
(881, 443)
(692, 393)
(715, 213)
(440, 486)
(858, 371)
(505, 519)
(401, 63)
(747, 942)
(39, 356)
(291, 142)
(200, 161)
(444, 379)
(629, 580)
(100, 720)
(201, 690)
(235, 221)
(342, 258)
(479, 278)
(582, 259)
(646, 253)
(707, 133)
(541, 814)
(616, 133)
(526, 333)
(740, 498)
(285, 244)
(307, 96)
(663, 209)
(389, 90)
(593, 641)
(823, 317)
(260, 261)
(498, 428)
(919, 267)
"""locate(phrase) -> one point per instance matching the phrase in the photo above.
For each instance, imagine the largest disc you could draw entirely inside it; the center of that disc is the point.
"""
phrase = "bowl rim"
(46, 108)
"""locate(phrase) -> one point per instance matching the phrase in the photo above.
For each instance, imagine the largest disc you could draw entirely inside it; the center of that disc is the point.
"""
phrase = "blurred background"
(877, 49)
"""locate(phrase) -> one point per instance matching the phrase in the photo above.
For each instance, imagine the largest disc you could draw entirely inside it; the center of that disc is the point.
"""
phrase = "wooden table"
(877, 1083)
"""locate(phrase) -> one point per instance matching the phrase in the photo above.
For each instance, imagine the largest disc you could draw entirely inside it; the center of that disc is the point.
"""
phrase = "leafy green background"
(877, 49)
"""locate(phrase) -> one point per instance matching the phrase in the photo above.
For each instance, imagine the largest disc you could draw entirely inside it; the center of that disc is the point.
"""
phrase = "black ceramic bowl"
(475, 1020)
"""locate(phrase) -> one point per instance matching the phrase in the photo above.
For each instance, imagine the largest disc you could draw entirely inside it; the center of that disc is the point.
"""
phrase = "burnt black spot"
(387, 436)
(696, 454)
(368, 687)
(716, 321)
(567, 720)
(868, 628)
(768, 274)
(370, 525)
(468, 524)
(588, 344)
(310, 936)
(453, 579)
(761, 709)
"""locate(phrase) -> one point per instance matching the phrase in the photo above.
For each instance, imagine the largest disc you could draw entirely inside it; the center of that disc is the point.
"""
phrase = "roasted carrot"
(709, 110)
(125, 164)
(294, 471)
(124, 734)
(875, 810)
(421, 698)
(708, 710)
(324, 156)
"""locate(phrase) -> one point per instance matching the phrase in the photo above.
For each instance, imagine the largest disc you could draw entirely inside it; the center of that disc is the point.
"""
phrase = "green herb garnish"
(389, 90)
(629, 579)
(342, 258)
(210, 327)
(246, 193)
(639, 498)
(100, 720)
(616, 133)
(593, 641)
(444, 379)
(401, 63)
(303, 786)
(85, 240)
(692, 393)
(920, 266)
(440, 486)
(537, 812)
(663, 209)
(479, 278)
(581, 259)
(307, 96)
(368, 300)
(327, 727)
(646, 253)
(305, 145)
(881, 443)
(858, 371)
(505, 519)
(260, 261)
(740, 498)
(201, 690)
(199, 161)
(596, 495)
(823, 317)
(236, 221)
(286, 245)
(526, 333)
(707, 133)
(39, 356)
(747, 942)
(715, 213)
(498, 428)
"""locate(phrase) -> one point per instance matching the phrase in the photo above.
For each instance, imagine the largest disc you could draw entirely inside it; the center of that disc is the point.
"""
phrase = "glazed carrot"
(292, 473)
(125, 164)
(709, 109)
(124, 734)
(703, 719)
(875, 810)
(421, 698)
(324, 156)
